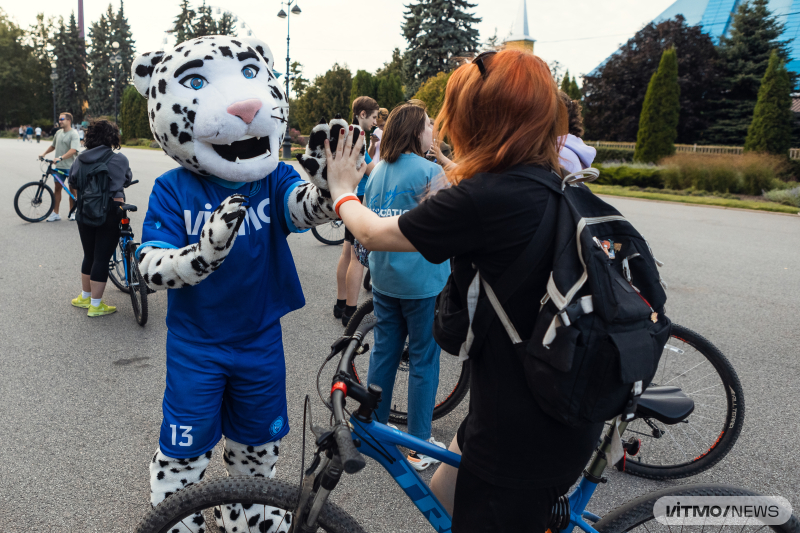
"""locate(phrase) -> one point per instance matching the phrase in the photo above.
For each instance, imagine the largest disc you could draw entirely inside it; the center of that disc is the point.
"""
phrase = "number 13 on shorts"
(185, 434)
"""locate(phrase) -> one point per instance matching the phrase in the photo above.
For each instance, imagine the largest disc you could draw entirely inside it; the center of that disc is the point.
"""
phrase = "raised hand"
(315, 161)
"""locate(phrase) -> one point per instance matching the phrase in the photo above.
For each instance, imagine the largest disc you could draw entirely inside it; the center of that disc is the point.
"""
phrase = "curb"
(702, 205)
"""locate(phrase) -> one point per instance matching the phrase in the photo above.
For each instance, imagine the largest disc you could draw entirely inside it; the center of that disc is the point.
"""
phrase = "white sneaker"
(54, 217)
(420, 461)
(72, 216)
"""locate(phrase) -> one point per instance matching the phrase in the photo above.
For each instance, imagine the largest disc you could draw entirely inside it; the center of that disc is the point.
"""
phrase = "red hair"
(512, 115)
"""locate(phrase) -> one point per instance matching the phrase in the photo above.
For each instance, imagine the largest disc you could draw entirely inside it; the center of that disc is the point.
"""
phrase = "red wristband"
(341, 200)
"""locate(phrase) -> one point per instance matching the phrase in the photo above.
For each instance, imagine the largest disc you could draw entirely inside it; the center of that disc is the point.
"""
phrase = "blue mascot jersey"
(257, 283)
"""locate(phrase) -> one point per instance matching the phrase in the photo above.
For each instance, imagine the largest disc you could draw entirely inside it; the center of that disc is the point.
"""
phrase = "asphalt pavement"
(80, 399)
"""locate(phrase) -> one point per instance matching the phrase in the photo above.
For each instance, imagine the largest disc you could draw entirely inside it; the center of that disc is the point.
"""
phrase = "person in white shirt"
(38, 132)
(375, 141)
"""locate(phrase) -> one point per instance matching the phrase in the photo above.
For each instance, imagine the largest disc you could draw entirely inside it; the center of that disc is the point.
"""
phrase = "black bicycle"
(689, 361)
(330, 233)
(34, 201)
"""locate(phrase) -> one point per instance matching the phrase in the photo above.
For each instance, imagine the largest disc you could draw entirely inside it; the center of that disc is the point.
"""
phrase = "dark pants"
(98, 245)
(481, 507)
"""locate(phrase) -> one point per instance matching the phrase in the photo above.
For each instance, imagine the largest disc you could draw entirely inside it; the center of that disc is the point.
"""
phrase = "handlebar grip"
(352, 460)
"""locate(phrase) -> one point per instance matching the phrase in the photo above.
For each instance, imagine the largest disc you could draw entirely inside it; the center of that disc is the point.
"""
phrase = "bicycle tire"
(368, 281)
(116, 269)
(244, 490)
(640, 510)
(36, 204)
(730, 429)
(324, 240)
(442, 408)
(137, 285)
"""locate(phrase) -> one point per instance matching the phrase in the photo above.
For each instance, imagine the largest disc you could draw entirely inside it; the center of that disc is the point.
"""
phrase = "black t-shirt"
(507, 440)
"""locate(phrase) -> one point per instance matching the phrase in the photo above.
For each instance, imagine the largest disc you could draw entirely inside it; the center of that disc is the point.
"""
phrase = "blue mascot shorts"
(238, 390)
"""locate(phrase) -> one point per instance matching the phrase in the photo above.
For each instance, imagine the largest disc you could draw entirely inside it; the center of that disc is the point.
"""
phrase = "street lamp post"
(115, 60)
(287, 142)
(54, 77)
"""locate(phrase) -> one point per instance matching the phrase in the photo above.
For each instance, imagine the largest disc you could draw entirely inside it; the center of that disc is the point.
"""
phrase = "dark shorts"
(348, 237)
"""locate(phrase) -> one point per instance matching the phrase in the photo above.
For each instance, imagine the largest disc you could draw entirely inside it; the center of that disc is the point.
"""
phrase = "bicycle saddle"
(128, 207)
(667, 404)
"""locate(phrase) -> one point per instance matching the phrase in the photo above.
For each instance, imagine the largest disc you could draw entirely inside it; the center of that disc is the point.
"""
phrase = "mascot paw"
(221, 229)
(314, 161)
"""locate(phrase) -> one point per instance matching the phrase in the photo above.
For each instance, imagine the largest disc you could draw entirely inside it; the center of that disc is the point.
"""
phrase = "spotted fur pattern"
(258, 461)
(168, 476)
(175, 269)
(314, 160)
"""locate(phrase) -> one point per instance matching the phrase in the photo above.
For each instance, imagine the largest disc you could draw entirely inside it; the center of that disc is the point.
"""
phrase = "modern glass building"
(715, 16)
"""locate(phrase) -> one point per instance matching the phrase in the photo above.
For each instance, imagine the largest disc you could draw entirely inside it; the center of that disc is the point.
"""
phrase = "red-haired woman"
(501, 112)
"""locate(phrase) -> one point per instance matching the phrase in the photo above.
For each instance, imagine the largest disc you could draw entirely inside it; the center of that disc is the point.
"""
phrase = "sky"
(579, 34)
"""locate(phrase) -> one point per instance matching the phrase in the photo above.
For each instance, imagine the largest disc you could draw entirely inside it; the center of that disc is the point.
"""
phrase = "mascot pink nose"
(246, 109)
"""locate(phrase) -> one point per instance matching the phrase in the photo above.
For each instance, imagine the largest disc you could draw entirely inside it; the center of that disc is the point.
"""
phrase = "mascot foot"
(258, 461)
(168, 476)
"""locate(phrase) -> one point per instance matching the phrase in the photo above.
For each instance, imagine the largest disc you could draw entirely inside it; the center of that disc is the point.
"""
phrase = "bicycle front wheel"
(34, 201)
(637, 515)
(453, 375)
(116, 269)
(266, 505)
(694, 445)
(331, 233)
(138, 288)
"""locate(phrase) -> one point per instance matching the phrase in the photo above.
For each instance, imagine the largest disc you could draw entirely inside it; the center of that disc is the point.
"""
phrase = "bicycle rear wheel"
(34, 201)
(453, 375)
(138, 288)
(694, 445)
(116, 269)
(331, 233)
(255, 496)
(637, 515)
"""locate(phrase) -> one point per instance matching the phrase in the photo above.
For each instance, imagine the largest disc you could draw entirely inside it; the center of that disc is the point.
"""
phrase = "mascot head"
(215, 105)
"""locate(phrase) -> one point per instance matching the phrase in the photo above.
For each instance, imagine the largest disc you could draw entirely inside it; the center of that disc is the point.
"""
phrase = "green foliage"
(328, 96)
(299, 83)
(191, 23)
(72, 85)
(565, 82)
(432, 92)
(133, 120)
(658, 123)
(574, 91)
(771, 129)
(110, 28)
(612, 154)
(630, 175)
(24, 73)
(745, 55)
(389, 91)
(784, 196)
(750, 173)
(437, 31)
(363, 85)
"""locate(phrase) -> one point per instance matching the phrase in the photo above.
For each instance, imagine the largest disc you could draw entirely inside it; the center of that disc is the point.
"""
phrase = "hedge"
(631, 176)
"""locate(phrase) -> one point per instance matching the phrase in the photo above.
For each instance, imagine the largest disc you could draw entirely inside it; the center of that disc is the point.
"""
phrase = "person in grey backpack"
(98, 242)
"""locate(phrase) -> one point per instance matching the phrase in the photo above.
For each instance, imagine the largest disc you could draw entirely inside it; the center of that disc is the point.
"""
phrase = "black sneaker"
(346, 319)
(338, 311)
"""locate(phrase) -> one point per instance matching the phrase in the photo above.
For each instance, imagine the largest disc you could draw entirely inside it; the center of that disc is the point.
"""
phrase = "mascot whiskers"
(215, 235)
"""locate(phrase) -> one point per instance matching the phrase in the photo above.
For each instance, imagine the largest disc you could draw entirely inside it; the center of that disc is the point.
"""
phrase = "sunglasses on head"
(480, 58)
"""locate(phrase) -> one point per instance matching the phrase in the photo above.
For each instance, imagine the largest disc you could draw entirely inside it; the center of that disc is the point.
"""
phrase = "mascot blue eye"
(196, 83)
(249, 72)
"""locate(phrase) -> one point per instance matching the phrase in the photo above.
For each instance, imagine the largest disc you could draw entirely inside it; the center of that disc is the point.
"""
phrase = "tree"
(771, 129)
(72, 84)
(492, 43)
(327, 97)
(299, 83)
(565, 85)
(363, 85)
(437, 31)
(101, 72)
(745, 54)
(658, 124)
(184, 27)
(389, 91)
(133, 121)
(121, 33)
(432, 92)
(192, 23)
(614, 92)
(574, 91)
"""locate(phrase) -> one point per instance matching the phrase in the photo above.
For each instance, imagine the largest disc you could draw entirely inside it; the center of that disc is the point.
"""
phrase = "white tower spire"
(520, 36)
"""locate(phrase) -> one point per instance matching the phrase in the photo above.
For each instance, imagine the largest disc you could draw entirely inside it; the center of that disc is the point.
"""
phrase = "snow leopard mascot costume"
(222, 219)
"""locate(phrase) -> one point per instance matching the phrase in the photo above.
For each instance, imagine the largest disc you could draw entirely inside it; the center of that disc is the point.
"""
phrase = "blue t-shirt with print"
(363, 183)
(393, 189)
(257, 283)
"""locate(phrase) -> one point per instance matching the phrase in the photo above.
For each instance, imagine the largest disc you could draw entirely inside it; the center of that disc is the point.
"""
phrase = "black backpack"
(94, 197)
(601, 328)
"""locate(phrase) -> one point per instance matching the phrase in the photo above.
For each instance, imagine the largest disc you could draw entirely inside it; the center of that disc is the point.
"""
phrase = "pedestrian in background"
(375, 139)
(405, 285)
(99, 242)
(21, 133)
(574, 155)
(29, 133)
(66, 144)
(38, 132)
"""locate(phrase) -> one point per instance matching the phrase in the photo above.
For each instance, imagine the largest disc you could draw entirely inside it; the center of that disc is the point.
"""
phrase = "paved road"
(81, 399)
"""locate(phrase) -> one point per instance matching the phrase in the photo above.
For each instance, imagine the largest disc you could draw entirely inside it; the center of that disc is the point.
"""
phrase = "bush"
(296, 138)
(636, 175)
(785, 196)
(612, 155)
(750, 173)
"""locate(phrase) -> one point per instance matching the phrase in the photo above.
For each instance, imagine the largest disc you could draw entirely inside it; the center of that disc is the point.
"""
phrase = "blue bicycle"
(339, 450)
(34, 201)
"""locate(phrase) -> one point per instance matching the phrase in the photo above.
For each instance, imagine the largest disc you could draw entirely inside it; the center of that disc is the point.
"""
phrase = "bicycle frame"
(57, 177)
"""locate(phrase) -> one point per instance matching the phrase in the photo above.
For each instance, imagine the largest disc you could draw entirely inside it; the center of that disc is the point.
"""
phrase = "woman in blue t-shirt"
(405, 285)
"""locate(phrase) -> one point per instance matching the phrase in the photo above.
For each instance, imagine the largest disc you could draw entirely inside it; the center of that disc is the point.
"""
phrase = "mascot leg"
(168, 476)
(258, 461)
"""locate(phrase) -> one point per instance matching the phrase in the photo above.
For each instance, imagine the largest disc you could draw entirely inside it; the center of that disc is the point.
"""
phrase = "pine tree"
(73, 79)
(363, 85)
(389, 91)
(184, 22)
(565, 82)
(121, 33)
(745, 55)
(299, 83)
(658, 123)
(205, 24)
(226, 25)
(574, 91)
(437, 31)
(101, 72)
(771, 129)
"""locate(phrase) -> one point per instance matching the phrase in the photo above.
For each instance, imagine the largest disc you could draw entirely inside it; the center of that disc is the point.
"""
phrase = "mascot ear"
(260, 47)
(142, 70)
